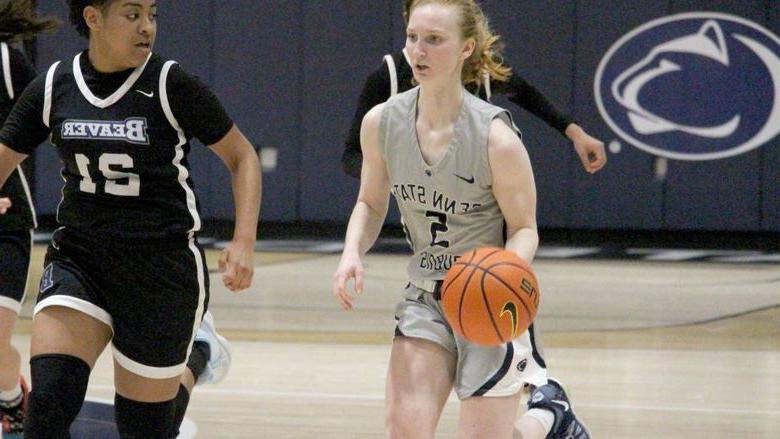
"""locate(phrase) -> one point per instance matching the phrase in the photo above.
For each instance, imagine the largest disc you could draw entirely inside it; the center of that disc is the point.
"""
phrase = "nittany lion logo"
(693, 86)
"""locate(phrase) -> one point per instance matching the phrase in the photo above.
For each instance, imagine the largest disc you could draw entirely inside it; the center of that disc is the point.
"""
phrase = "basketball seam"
(487, 306)
(509, 287)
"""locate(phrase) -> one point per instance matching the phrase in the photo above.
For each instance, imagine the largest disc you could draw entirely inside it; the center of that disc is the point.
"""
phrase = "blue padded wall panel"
(343, 44)
(624, 194)
(720, 194)
(539, 48)
(257, 73)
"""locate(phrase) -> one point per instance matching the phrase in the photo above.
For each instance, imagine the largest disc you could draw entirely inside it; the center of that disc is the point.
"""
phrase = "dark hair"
(77, 13)
(18, 21)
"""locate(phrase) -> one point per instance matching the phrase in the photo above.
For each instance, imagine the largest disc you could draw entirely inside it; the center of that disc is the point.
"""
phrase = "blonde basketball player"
(462, 179)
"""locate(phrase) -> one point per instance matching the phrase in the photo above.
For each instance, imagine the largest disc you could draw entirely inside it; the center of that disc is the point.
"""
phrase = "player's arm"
(237, 262)
(514, 188)
(369, 213)
(9, 160)
(203, 116)
(376, 90)
(589, 149)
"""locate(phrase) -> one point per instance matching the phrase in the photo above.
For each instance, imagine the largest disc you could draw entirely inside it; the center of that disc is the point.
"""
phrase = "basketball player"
(462, 179)
(18, 22)
(125, 266)
(395, 76)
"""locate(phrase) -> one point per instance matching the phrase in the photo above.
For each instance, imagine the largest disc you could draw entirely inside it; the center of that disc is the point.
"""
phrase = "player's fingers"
(340, 290)
(246, 280)
(223, 260)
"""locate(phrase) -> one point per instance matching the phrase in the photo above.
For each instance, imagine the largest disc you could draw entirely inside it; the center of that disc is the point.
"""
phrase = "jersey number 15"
(112, 186)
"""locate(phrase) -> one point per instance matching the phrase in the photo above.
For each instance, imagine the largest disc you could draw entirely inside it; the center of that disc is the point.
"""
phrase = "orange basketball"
(490, 296)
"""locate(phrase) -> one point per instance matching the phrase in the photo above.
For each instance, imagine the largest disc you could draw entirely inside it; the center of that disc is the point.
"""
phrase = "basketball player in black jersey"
(378, 88)
(125, 266)
(17, 215)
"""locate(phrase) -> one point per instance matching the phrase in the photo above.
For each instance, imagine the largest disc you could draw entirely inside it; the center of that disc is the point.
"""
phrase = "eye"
(411, 37)
(132, 17)
(434, 39)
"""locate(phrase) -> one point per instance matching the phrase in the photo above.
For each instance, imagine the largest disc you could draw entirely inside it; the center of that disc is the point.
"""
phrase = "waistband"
(431, 286)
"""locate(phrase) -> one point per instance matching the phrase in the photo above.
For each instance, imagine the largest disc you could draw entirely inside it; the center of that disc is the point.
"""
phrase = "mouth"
(144, 45)
(422, 68)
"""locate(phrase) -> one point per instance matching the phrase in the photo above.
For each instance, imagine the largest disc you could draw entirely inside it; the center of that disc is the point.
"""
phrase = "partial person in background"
(395, 76)
(18, 22)
(125, 265)
(427, 139)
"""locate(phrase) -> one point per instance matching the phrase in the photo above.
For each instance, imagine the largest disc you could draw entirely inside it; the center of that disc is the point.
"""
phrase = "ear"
(93, 17)
(468, 48)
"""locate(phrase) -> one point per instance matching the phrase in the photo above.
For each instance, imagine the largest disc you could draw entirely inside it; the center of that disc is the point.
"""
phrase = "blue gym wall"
(289, 73)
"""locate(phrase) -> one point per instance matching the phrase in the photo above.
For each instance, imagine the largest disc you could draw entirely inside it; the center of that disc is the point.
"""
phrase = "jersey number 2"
(105, 163)
(438, 225)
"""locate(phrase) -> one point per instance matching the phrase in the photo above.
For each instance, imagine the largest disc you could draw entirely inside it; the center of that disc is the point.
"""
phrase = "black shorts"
(152, 297)
(15, 249)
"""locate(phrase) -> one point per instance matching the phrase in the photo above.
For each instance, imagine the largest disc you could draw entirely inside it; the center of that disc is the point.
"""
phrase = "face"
(434, 42)
(126, 29)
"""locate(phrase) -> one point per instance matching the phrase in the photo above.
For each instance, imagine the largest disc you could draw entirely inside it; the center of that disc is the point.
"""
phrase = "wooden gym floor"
(647, 349)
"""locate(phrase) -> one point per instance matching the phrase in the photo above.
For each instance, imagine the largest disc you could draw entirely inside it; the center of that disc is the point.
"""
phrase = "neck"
(100, 58)
(439, 104)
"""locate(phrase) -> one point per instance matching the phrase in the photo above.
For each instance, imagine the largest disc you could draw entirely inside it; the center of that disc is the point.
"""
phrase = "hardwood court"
(647, 349)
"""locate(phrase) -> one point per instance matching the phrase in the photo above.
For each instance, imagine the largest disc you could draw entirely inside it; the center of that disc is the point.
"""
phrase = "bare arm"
(369, 213)
(514, 188)
(9, 160)
(236, 260)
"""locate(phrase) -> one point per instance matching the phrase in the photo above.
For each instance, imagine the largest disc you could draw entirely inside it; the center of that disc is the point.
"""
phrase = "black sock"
(180, 402)
(144, 420)
(59, 383)
(199, 357)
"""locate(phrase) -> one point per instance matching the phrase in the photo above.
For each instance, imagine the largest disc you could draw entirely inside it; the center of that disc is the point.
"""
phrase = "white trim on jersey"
(47, 93)
(9, 86)
(183, 172)
(8, 303)
(393, 75)
(26, 188)
(200, 311)
(117, 95)
(82, 305)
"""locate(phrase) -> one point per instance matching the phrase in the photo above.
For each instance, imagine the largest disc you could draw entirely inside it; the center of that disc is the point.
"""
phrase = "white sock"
(11, 395)
(545, 417)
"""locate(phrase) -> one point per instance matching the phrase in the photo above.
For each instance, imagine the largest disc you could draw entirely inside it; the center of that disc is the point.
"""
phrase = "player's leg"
(14, 269)
(64, 347)
(208, 363)
(422, 367)
(419, 380)
(490, 417)
(155, 323)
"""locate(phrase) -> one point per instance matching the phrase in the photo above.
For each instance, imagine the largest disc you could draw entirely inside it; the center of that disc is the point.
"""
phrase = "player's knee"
(145, 420)
(59, 383)
(404, 419)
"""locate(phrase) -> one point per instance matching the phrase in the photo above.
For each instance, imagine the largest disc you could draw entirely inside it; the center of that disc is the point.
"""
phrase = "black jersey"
(124, 155)
(17, 72)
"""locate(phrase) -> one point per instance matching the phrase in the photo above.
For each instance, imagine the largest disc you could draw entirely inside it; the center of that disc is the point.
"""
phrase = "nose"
(147, 25)
(418, 51)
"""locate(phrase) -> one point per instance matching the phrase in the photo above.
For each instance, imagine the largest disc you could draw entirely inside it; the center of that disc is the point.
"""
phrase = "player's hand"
(236, 263)
(350, 267)
(5, 204)
(589, 149)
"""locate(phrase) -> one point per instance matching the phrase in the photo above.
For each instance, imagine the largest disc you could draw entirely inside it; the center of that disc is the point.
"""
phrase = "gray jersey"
(447, 208)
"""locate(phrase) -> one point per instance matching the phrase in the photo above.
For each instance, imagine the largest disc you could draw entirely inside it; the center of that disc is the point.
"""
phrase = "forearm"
(247, 190)
(524, 242)
(365, 223)
(9, 160)
(532, 100)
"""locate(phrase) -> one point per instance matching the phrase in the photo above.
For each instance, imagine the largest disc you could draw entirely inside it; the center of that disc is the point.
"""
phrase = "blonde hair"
(486, 58)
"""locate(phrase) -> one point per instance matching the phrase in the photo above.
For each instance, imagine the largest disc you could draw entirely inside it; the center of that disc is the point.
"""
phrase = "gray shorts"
(480, 370)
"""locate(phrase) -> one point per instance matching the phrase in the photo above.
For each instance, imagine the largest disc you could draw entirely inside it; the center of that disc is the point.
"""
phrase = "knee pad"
(145, 420)
(59, 384)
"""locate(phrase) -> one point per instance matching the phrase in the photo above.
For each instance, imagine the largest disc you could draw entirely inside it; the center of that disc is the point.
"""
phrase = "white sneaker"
(219, 360)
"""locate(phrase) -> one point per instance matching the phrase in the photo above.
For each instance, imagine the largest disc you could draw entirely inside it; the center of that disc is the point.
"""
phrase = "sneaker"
(219, 359)
(552, 397)
(13, 417)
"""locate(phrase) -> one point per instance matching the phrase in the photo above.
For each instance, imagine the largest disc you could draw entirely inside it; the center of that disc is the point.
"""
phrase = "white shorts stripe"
(87, 308)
